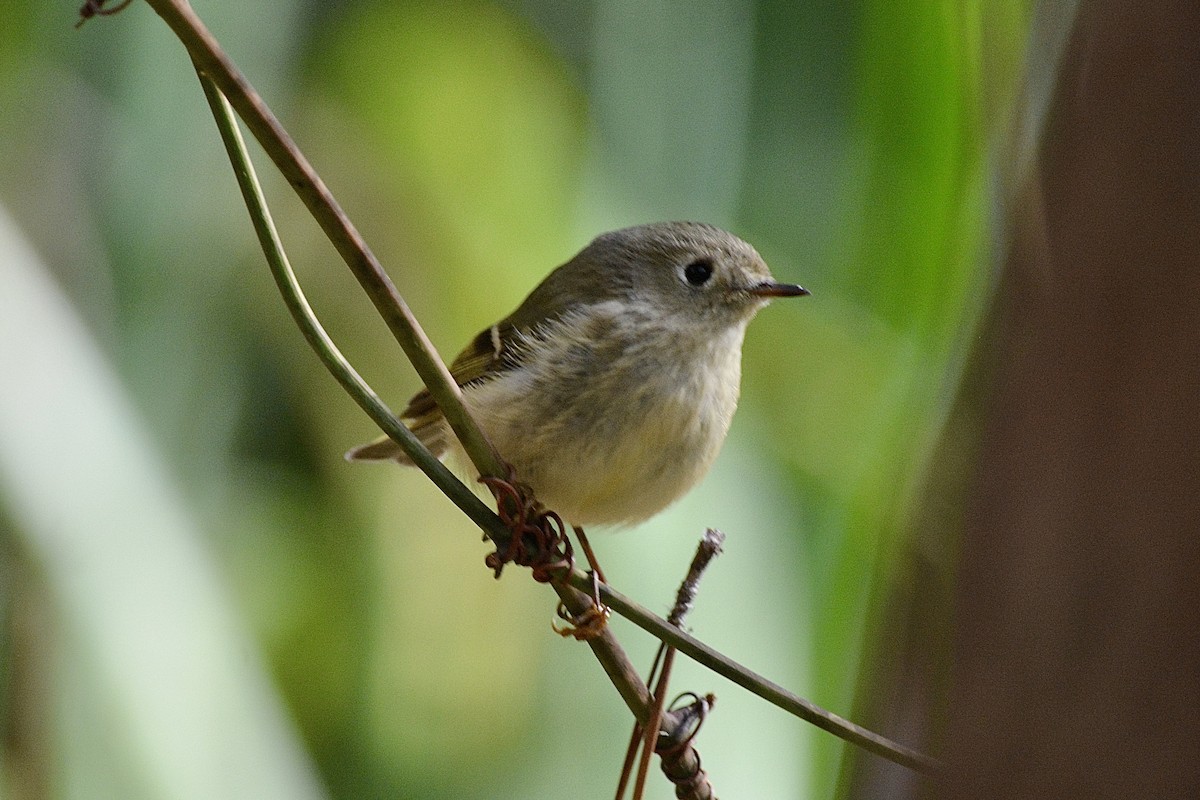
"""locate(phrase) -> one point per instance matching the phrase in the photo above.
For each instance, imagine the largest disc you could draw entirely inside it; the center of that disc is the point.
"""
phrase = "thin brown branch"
(768, 690)
(680, 762)
(708, 549)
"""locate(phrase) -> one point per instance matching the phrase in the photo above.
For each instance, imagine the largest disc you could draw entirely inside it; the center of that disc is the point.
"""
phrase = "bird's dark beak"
(771, 289)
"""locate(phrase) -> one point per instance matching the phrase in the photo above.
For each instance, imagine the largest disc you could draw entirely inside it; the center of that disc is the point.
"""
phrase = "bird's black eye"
(698, 272)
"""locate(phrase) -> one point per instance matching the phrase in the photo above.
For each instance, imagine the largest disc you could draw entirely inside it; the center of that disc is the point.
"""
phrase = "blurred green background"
(200, 599)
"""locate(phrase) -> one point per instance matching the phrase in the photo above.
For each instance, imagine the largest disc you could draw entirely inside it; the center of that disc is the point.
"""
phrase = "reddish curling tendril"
(92, 8)
(539, 537)
(539, 541)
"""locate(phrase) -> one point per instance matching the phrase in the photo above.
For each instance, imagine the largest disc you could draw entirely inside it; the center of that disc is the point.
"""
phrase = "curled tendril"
(539, 537)
(93, 8)
(680, 760)
(539, 541)
(689, 719)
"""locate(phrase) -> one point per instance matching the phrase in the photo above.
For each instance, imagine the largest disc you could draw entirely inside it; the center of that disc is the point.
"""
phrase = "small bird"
(611, 388)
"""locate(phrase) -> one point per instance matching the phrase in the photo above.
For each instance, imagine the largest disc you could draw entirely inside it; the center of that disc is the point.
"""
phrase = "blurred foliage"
(187, 557)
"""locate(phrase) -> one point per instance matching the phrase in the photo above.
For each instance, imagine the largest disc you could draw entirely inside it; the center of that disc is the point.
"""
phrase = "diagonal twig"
(680, 763)
(768, 690)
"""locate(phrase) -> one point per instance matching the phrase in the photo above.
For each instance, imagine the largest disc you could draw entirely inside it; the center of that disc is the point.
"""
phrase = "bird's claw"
(590, 623)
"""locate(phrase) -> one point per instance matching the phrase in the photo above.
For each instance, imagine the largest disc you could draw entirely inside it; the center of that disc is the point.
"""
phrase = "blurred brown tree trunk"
(1075, 656)
(1076, 659)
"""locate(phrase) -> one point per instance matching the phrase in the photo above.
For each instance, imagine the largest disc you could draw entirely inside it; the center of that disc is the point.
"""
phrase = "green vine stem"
(212, 61)
(613, 659)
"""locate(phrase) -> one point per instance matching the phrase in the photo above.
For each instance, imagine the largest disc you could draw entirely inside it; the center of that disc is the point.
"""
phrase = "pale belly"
(611, 449)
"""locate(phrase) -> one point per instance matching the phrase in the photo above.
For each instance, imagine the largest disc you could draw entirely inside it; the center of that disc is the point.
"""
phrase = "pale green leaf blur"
(199, 598)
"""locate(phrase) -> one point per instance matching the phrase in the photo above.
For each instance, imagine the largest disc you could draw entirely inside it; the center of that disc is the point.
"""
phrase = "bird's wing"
(499, 348)
(489, 354)
(494, 351)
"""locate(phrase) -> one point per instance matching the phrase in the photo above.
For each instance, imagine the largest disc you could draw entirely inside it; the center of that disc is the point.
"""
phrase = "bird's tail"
(432, 434)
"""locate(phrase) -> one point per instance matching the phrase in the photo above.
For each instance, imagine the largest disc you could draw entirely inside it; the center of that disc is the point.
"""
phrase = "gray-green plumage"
(611, 387)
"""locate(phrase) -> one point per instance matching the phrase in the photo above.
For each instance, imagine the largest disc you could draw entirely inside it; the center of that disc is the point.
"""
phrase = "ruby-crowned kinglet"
(611, 388)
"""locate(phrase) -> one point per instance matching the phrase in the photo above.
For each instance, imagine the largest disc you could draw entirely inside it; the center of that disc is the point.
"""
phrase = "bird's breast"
(609, 426)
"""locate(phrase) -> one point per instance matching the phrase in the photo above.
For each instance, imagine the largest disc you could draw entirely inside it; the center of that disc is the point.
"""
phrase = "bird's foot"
(539, 541)
(589, 623)
(586, 546)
